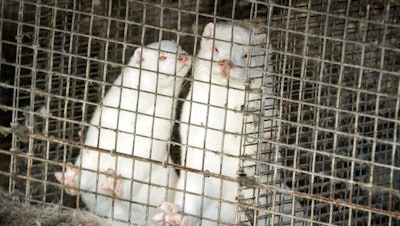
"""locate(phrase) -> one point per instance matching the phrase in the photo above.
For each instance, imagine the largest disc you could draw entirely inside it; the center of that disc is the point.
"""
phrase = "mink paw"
(171, 215)
(68, 179)
(113, 184)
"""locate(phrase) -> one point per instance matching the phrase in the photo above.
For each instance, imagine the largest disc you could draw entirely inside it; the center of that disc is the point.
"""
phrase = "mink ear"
(261, 39)
(137, 56)
(209, 31)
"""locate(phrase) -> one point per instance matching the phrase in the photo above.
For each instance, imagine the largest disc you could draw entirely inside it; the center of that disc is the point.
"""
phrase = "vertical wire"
(87, 74)
(281, 106)
(154, 104)
(302, 84)
(175, 96)
(59, 103)
(377, 108)
(357, 110)
(319, 93)
(395, 148)
(260, 127)
(270, 87)
(117, 130)
(138, 90)
(48, 83)
(243, 135)
(125, 40)
(395, 151)
(189, 98)
(245, 110)
(16, 96)
(206, 125)
(70, 70)
(30, 121)
(337, 105)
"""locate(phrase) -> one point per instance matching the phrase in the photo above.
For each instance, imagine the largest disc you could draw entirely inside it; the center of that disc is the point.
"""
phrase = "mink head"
(165, 57)
(232, 50)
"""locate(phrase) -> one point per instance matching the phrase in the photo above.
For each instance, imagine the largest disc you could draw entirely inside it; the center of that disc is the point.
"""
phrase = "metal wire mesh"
(327, 146)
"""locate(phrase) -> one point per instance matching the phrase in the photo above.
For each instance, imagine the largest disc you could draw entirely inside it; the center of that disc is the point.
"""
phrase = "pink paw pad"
(113, 184)
(68, 179)
(171, 215)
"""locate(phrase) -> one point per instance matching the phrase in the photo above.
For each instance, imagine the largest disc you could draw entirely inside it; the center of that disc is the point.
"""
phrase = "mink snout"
(225, 65)
(183, 58)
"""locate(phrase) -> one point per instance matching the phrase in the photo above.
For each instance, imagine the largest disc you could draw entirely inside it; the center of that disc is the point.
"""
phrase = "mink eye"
(244, 56)
(216, 50)
(163, 58)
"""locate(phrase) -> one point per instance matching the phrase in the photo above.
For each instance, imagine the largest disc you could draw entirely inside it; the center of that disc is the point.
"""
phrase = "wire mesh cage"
(318, 141)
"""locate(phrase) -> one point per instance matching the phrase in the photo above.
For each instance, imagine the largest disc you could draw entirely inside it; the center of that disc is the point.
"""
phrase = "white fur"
(225, 125)
(135, 119)
(212, 123)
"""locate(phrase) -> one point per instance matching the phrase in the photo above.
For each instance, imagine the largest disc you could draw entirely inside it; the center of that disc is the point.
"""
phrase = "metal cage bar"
(328, 122)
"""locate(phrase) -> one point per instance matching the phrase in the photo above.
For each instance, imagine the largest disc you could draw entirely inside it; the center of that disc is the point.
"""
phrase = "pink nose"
(225, 65)
(183, 58)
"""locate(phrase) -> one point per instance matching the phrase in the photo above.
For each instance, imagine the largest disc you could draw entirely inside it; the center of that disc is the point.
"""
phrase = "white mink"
(212, 120)
(135, 118)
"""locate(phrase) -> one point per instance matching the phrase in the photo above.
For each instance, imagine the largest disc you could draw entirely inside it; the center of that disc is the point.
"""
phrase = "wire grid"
(336, 63)
(339, 98)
